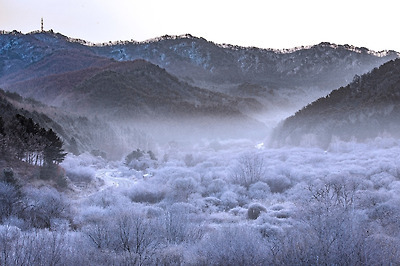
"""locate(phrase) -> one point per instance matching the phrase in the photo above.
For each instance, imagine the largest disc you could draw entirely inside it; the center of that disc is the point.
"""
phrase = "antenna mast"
(41, 28)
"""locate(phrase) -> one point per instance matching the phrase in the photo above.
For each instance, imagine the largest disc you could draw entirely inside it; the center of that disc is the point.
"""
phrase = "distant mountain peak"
(173, 37)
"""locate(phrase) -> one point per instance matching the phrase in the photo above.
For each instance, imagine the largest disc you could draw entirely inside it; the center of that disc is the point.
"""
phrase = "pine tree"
(53, 151)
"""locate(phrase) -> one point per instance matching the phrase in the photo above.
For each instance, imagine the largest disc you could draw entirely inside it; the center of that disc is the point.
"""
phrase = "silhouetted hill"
(366, 108)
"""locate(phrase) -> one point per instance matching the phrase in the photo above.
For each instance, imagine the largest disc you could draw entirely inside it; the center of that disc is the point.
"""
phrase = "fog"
(208, 191)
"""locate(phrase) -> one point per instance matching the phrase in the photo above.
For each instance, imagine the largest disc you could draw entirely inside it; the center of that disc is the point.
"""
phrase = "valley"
(181, 151)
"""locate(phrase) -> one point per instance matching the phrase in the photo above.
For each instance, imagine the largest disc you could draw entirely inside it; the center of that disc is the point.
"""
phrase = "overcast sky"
(265, 24)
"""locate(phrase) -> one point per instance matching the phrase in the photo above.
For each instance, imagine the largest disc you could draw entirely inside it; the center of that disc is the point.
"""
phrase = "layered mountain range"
(263, 74)
(179, 84)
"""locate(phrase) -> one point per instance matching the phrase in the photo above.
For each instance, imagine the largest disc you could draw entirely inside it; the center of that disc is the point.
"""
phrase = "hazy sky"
(266, 24)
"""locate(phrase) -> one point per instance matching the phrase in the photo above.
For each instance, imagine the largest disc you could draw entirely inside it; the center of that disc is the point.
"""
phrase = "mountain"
(205, 63)
(19, 51)
(179, 84)
(62, 61)
(128, 89)
(366, 108)
(290, 78)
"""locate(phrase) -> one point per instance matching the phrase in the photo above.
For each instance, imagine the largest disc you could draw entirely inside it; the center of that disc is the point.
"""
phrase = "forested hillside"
(366, 108)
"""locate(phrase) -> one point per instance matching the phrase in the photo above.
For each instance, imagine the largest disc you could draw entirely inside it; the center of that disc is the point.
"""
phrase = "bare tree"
(250, 169)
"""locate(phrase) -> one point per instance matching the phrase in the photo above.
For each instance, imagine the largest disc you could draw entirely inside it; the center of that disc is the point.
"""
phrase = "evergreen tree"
(53, 151)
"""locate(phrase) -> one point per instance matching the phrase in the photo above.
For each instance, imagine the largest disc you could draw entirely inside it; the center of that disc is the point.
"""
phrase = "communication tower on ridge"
(41, 25)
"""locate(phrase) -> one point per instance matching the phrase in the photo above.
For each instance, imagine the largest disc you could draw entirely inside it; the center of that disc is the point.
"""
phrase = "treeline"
(25, 140)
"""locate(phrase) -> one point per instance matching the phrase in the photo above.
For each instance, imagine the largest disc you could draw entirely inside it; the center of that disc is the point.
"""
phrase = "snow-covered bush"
(182, 188)
(43, 205)
(146, 193)
(255, 210)
(259, 190)
(278, 184)
(235, 245)
(229, 200)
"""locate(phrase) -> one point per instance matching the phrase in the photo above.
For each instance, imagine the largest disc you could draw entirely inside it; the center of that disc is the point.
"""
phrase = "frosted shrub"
(9, 200)
(278, 184)
(229, 199)
(210, 202)
(215, 187)
(259, 190)
(233, 246)
(153, 212)
(182, 188)
(177, 222)
(81, 174)
(189, 160)
(43, 205)
(80, 168)
(387, 214)
(145, 194)
(106, 199)
(131, 235)
(8, 238)
(141, 160)
(255, 210)
(382, 179)
(100, 235)
(171, 255)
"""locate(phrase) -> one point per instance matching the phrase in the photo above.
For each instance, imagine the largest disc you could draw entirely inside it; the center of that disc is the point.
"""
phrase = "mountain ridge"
(59, 42)
(266, 84)
(368, 107)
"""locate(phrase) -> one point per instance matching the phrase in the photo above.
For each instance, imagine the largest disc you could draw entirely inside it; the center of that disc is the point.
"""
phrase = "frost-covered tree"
(250, 169)
(10, 200)
(134, 237)
(43, 206)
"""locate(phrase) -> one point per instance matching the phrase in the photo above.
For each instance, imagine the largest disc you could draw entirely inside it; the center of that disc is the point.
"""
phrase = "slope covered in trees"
(199, 60)
(366, 108)
(23, 141)
(128, 89)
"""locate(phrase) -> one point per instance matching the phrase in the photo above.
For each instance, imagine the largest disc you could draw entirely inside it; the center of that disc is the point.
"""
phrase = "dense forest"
(366, 108)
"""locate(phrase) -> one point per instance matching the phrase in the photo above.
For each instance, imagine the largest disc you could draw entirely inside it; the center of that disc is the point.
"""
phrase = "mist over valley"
(181, 151)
